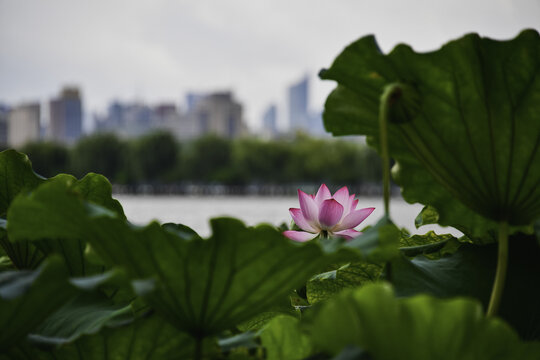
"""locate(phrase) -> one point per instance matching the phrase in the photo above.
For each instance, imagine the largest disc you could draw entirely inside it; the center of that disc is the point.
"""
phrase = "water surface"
(195, 211)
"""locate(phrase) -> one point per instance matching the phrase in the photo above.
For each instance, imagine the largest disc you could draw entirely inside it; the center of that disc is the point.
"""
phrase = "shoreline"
(267, 190)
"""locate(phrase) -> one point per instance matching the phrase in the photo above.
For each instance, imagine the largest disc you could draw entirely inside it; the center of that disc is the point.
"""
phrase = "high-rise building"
(23, 124)
(4, 112)
(126, 119)
(316, 126)
(298, 105)
(192, 99)
(66, 116)
(166, 116)
(115, 115)
(218, 114)
(136, 119)
(165, 111)
(270, 121)
(300, 117)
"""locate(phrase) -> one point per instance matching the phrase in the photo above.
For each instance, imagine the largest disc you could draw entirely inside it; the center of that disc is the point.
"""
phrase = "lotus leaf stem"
(500, 275)
(198, 348)
(386, 101)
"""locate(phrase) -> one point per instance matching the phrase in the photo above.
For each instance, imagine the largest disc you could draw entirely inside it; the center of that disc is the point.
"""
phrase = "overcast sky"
(157, 50)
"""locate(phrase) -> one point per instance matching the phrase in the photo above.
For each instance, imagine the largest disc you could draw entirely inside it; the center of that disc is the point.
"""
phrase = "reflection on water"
(196, 211)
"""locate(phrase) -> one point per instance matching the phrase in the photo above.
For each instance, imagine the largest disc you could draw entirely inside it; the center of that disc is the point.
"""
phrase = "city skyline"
(61, 117)
(216, 113)
(162, 49)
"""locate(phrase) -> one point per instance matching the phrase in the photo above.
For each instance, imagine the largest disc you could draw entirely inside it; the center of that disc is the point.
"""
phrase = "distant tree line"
(157, 158)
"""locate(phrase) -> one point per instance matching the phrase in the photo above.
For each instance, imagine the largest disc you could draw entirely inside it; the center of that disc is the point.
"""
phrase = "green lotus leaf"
(207, 286)
(352, 353)
(22, 254)
(378, 243)
(325, 285)
(421, 327)
(427, 216)
(239, 344)
(260, 320)
(256, 323)
(283, 339)
(5, 263)
(92, 190)
(28, 297)
(16, 175)
(147, 338)
(466, 128)
(96, 189)
(470, 270)
(202, 286)
(436, 245)
(100, 303)
(85, 314)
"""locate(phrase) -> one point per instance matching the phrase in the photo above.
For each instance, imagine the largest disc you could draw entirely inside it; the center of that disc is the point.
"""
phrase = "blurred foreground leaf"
(283, 339)
(378, 243)
(16, 175)
(28, 297)
(90, 191)
(85, 314)
(148, 338)
(201, 286)
(417, 328)
(469, 272)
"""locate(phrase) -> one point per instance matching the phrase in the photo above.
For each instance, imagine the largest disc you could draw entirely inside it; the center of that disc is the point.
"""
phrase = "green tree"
(154, 156)
(48, 158)
(209, 159)
(261, 161)
(371, 165)
(101, 153)
(332, 161)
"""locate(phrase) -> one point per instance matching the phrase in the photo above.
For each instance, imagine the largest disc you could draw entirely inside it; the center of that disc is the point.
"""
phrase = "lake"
(195, 211)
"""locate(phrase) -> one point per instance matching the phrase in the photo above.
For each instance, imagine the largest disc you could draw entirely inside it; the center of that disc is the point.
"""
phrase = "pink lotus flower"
(327, 215)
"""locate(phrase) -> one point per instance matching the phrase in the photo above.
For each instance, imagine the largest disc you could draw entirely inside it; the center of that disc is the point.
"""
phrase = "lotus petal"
(301, 221)
(300, 236)
(354, 219)
(348, 234)
(308, 206)
(330, 213)
(322, 194)
(352, 203)
(342, 196)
